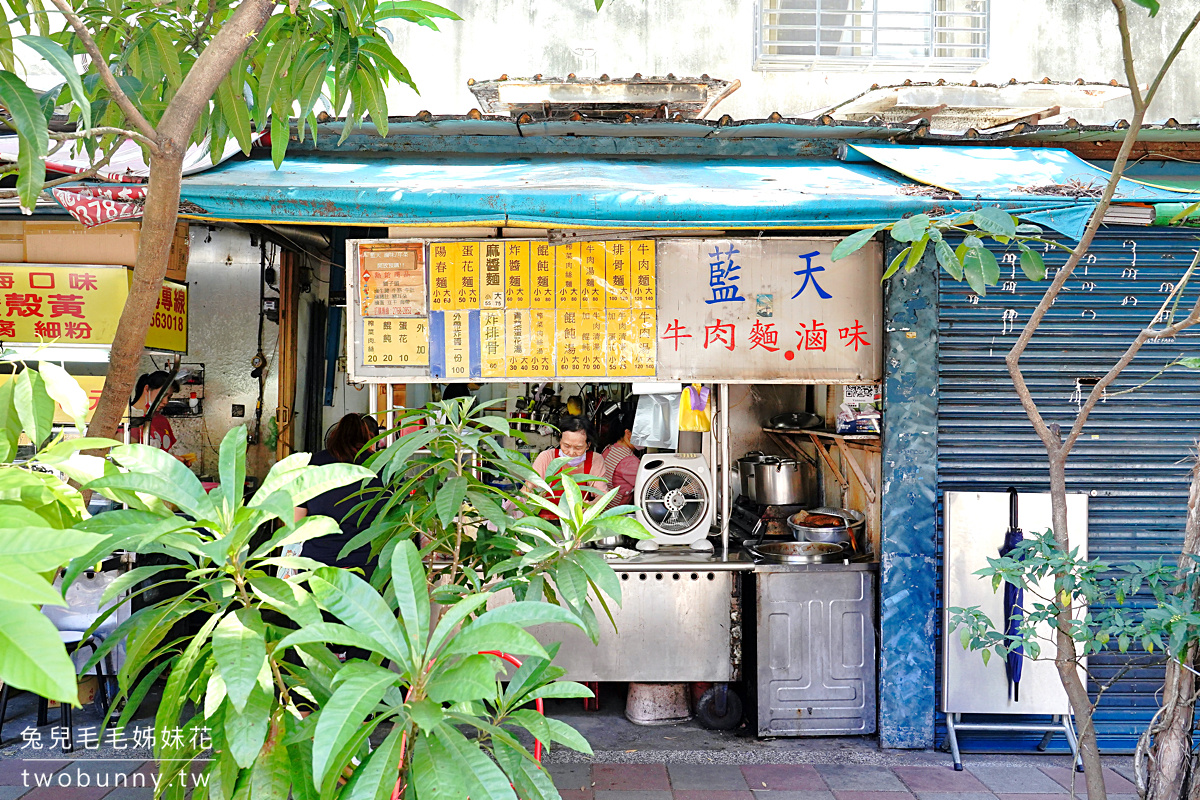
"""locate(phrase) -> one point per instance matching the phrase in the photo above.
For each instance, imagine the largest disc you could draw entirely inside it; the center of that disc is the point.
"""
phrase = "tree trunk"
(154, 247)
(1172, 734)
(1066, 658)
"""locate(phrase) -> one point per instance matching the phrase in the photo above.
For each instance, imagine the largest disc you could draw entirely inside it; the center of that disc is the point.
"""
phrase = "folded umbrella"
(1014, 598)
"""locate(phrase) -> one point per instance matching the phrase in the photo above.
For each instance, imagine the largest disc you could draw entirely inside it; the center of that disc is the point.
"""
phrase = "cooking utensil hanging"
(1014, 601)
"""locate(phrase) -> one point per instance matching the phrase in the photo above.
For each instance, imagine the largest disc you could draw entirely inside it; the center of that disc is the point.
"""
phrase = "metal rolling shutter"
(1133, 456)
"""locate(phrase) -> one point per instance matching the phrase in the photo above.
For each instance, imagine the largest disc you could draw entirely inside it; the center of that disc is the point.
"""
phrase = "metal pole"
(726, 500)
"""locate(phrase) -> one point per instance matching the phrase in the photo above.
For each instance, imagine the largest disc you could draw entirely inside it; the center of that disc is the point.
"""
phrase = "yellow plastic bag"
(695, 409)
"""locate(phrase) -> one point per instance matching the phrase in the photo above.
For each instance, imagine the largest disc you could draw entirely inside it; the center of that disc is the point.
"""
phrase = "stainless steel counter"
(683, 560)
(836, 566)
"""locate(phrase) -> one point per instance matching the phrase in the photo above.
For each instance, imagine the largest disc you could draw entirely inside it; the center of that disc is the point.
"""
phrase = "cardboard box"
(12, 241)
(61, 242)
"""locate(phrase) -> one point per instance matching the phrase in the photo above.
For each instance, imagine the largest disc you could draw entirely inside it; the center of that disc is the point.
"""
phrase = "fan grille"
(675, 500)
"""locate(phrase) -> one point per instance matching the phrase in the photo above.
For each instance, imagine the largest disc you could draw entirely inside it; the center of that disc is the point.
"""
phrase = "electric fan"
(674, 498)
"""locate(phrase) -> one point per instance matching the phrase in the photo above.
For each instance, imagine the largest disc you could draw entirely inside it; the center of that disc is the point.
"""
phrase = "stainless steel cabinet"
(816, 651)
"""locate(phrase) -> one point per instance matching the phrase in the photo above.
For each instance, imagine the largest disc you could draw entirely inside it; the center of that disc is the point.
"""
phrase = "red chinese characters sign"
(81, 305)
(770, 309)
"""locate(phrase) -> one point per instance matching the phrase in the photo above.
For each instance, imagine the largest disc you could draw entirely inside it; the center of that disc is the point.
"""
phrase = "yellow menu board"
(400, 342)
(516, 274)
(492, 294)
(532, 310)
(441, 276)
(542, 290)
(392, 279)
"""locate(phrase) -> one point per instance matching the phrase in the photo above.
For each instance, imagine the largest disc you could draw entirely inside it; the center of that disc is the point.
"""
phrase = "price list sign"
(392, 280)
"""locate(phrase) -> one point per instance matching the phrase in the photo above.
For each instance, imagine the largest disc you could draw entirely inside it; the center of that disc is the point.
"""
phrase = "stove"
(746, 516)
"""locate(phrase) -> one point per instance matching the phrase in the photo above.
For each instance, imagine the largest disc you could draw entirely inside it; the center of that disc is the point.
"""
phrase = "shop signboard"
(81, 305)
(92, 384)
(735, 310)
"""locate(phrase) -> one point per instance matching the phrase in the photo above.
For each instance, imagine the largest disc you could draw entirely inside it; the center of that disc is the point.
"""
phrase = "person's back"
(354, 506)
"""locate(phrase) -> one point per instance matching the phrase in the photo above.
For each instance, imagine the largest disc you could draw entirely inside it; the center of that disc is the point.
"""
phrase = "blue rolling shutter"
(1133, 459)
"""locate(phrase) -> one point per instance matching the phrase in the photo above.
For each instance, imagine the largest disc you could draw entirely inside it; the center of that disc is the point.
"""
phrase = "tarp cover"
(577, 191)
(1005, 172)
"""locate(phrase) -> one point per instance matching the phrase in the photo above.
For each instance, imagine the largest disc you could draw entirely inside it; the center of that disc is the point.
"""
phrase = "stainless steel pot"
(797, 552)
(781, 483)
(747, 469)
(815, 525)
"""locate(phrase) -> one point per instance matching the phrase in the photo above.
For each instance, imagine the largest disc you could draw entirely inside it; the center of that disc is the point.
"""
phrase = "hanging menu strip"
(392, 279)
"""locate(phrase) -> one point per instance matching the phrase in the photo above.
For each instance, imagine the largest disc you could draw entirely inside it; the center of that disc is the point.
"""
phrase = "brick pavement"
(133, 780)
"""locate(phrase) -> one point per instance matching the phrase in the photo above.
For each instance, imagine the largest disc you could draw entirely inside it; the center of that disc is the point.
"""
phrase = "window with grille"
(806, 32)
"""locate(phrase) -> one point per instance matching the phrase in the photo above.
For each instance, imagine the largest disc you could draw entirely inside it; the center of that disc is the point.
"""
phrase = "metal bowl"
(845, 534)
(797, 552)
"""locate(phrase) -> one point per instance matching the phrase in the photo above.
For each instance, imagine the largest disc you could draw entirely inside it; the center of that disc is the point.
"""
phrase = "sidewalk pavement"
(997, 778)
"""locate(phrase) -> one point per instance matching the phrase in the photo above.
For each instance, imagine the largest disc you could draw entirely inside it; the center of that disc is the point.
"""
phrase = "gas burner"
(746, 516)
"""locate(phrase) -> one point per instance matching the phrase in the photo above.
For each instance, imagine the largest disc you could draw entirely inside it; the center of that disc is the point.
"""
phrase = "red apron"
(556, 487)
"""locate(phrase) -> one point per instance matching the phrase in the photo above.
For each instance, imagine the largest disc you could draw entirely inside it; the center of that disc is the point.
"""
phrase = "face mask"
(575, 462)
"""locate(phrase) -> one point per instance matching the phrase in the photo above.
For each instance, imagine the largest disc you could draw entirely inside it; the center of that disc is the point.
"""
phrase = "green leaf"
(427, 774)
(33, 137)
(483, 778)
(287, 598)
(1032, 264)
(563, 733)
(412, 595)
(66, 391)
(600, 572)
(854, 242)
(10, 423)
(991, 269)
(354, 602)
(301, 484)
(232, 470)
(911, 228)
(557, 691)
(918, 252)
(330, 633)
(20, 584)
(43, 549)
(279, 138)
(35, 408)
(376, 776)
(452, 618)
(241, 653)
(1151, 5)
(246, 732)
(274, 65)
(948, 260)
(233, 106)
(995, 221)
(973, 271)
(270, 777)
(58, 58)
(32, 656)
(500, 636)
(161, 475)
(894, 267)
(473, 678)
(354, 698)
(427, 714)
(450, 498)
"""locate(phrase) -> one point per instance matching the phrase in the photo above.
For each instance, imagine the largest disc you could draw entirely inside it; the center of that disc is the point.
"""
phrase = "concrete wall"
(223, 278)
(1030, 39)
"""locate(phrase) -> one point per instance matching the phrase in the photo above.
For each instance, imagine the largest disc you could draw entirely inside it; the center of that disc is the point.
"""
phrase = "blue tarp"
(597, 191)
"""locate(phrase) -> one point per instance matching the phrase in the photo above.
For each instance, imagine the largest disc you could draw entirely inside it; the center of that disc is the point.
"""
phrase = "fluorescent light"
(75, 353)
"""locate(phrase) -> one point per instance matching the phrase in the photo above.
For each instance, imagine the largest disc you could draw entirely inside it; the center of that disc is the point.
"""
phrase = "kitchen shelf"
(785, 437)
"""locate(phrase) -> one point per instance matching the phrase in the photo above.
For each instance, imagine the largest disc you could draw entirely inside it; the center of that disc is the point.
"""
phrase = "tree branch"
(106, 131)
(90, 172)
(110, 82)
(1135, 91)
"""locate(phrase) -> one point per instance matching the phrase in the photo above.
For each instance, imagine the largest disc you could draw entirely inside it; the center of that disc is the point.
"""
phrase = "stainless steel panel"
(975, 526)
(671, 626)
(816, 653)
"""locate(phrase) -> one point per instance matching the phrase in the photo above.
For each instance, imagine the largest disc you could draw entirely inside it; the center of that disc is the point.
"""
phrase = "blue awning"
(588, 192)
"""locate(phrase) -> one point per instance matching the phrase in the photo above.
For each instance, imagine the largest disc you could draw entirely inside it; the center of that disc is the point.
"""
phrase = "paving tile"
(793, 794)
(1013, 796)
(938, 779)
(627, 777)
(133, 794)
(858, 778)
(640, 794)
(1015, 780)
(566, 794)
(793, 777)
(11, 769)
(12, 792)
(571, 776)
(1114, 783)
(716, 794)
(100, 770)
(63, 793)
(957, 796)
(708, 777)
(873, 796)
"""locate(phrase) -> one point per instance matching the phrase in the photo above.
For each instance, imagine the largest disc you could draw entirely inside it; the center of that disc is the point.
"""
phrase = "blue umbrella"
(1014, 598)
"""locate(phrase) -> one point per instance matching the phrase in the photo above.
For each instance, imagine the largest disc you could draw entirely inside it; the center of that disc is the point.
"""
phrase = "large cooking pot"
(829, 525)
(782, 482)
(797, 552)
(747, 469)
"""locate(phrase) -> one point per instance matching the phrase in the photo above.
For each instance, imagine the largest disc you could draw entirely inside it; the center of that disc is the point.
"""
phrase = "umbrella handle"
(1012, 508)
